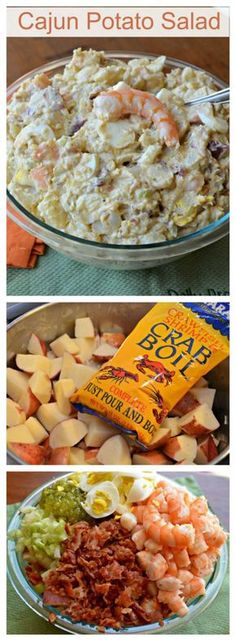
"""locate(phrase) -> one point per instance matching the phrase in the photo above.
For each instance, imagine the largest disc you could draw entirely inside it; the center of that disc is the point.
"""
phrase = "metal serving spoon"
(221, 96)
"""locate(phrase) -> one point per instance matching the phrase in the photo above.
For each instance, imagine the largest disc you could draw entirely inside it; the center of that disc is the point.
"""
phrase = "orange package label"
(169, 350)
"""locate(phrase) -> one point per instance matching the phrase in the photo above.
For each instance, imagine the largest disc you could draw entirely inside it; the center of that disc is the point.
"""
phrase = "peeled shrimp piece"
(178, 511)
(122, 100)
(196, 587)
(165, 533)
(199, 546)
(169, 583)
(198, 508)
(174, 601)
(172, 568)
(181, 558)
(155, 566)
(139, 537)
(151, 546)
(184, 576)
(138, 511)
(201, 565)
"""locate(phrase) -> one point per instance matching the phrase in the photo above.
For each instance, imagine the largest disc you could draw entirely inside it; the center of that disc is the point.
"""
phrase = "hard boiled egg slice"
(90, 479)
(140, 490)
(101, 500)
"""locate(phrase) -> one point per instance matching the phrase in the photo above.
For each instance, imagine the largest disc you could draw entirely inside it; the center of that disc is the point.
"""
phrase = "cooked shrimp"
(198, 508)
(201, 565)
(139, 537)
(181, 558)
(196, 587)
(184, 576)
(166, 533)
(151, 546)
(122, 100)
(172, 568)
(138, 511)
(169, 583)
(155, 565)
(174, 601)
(199, 546)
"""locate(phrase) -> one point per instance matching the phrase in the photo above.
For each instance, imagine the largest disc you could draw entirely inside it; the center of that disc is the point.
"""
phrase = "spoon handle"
(221, 96)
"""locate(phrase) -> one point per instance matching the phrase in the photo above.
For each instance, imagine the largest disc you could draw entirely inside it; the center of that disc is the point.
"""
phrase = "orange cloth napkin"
(22, 248)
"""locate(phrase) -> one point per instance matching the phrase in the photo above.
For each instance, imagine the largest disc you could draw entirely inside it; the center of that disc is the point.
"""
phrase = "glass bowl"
(33, 600)
(113, 256)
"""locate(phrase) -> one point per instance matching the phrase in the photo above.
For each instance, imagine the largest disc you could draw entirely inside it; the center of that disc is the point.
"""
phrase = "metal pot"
(53, 319)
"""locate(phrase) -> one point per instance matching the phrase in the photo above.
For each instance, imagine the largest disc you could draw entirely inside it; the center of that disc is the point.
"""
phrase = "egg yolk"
(101, 502)
(98, 477)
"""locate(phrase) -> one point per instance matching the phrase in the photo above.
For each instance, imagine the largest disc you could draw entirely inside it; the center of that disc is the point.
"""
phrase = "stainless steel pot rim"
(34, 601)
(220, 224)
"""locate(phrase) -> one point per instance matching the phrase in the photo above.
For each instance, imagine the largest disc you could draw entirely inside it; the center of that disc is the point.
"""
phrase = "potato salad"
(108, 151)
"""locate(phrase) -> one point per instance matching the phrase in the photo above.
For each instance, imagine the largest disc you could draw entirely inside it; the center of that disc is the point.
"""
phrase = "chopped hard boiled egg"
(89, 479)
(140, 490)
(101, 500)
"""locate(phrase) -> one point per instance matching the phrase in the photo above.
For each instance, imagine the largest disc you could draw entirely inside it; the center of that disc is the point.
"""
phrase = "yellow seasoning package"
(169, 350)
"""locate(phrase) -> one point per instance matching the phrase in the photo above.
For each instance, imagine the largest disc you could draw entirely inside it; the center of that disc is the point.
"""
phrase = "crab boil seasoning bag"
(169, 350)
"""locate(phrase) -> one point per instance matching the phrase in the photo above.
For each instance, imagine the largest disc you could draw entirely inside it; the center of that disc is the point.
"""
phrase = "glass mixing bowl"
(33, 600)
(113, 256)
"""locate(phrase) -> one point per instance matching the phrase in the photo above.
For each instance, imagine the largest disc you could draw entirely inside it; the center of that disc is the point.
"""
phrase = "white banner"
(116, 22)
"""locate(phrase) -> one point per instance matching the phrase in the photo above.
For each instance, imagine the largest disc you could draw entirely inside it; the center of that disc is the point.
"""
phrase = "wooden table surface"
(211, 54)
(216, 488)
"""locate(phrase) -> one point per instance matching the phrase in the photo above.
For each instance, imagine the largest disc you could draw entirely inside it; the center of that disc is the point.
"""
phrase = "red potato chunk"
(151, 458)
(20, 434)
(104, 352)
(90, 456)
(17, 383)
(29, 402)
(199, 422)
(86, 347)
(37, 430)
(172, 424)
(113, 338)
(181, 448)
(30, 363)
(185, 405)
(40, 386)
(64, 344)
(84, 328)
(98, 431)
(115, 451)
(160, 438)
(36, 345)
(67, 433)
(77, 456)
(15, 413)
(63, 390)
(49, 415)
(56, 365)
(204, 395)
(206, 450)
(31, 454)
(58, 456)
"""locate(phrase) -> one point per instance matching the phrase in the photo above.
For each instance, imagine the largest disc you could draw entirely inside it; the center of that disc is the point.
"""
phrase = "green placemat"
(204, 272)
(215, 620)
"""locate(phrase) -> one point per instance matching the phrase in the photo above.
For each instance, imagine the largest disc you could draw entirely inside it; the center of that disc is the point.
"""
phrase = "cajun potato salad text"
(108, 151)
